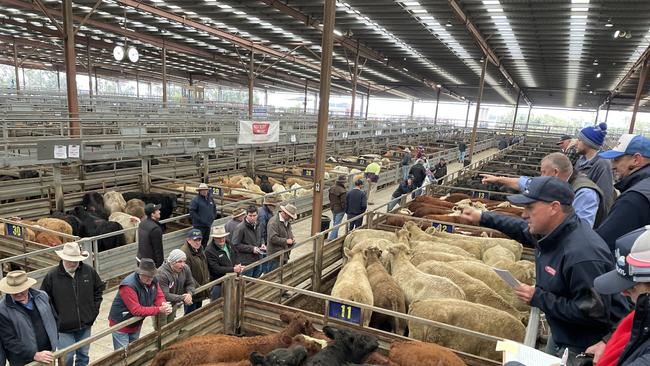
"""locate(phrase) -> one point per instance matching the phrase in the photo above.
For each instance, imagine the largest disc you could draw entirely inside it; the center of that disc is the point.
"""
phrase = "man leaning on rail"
(570, 255)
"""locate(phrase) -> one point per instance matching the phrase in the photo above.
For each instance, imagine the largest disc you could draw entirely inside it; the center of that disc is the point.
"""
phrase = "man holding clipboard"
(569, 256)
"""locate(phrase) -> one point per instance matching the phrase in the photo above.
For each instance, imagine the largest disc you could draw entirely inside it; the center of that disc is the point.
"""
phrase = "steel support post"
(266, 97)
(164, 77)
(607, 112)
(146, 179)
(251, 80)
(137, 85)
(367, 103)
(362, 108)
(435, 116)
(639, 91)
(412, 107)
(305, 101)
(354, 83)
(90, 68)
(597, 113)
(528, 118)
(71, 68)
(478, 109)
(96, 83)
(467, 115)
(329, 15)
(16, 66)
(58, 79)
(514, 120)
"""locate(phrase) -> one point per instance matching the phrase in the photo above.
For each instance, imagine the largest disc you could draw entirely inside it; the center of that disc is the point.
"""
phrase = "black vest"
(146, 296)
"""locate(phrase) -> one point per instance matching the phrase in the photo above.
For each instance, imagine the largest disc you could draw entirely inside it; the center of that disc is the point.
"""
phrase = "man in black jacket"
(631, 166)
(246, 242)
(356, 203)
(440, 170)
(75, 291)
(150, 235)
(221, 258)
(337, 196)
(405, 187)
(419, 173)
(569, 256)
(203, 211)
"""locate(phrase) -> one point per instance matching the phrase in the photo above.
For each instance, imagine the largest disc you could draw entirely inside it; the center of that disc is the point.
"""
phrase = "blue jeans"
(405, 171)
(68, 339)
(215, 293)
(338, 218)
(255, 272)
(121, 339)
(394, 201)
(356, 223)
(190, 308)
(461, 156)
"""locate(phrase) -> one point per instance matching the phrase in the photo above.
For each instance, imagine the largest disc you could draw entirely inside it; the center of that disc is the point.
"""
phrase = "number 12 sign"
(347, 313)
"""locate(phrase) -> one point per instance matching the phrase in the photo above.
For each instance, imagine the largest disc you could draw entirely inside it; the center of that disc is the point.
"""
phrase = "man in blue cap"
(590, 141)
(569, 256)
(631, 166)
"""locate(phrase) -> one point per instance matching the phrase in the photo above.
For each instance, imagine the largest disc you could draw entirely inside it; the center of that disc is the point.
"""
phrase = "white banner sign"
(258, 132)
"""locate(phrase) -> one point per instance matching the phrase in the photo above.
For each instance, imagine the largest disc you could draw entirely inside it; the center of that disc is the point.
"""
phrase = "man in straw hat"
(222, 258)
(237, 218)
(75, 290)
(203, 211)
(406, 162)
(27, 322)
(139, 295)
(280, 234)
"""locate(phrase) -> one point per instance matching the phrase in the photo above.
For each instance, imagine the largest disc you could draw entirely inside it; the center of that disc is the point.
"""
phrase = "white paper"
(508, 277)
(212, 143)
(73, 151)
(292, 138)
(60, 152)
(513, 351)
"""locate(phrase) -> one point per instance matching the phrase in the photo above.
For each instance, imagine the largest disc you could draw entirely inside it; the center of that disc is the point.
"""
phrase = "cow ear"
(256, 358)
(329, 332)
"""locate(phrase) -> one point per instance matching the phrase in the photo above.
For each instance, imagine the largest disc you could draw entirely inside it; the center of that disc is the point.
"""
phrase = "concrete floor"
(301, 230)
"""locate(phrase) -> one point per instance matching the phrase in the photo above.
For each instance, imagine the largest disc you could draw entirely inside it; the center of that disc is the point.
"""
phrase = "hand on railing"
(44, 356)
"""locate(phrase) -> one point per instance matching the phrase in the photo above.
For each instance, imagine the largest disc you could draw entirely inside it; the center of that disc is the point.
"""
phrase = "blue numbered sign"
(14, 230)
(443, 227)
(347, 313)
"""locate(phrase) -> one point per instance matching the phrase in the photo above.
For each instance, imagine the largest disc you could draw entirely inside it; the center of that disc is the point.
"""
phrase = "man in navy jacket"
(569, 256)
(203, 211)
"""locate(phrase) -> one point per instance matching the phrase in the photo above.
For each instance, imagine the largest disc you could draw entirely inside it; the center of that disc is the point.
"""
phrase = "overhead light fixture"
(438, 86)
(595, 63)
(118, 53)
(133, 54)
(598, 76)
(609, 23)
(591, 92)
(580, 105)
(448, 24)
(622, 34)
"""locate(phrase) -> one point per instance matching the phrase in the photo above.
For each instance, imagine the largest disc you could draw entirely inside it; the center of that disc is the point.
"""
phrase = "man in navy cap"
(569, 256)
(631, 166)
(630, 342)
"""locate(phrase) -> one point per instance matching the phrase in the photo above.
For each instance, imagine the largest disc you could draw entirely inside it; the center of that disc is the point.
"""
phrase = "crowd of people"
(592, 241)
(592, 257)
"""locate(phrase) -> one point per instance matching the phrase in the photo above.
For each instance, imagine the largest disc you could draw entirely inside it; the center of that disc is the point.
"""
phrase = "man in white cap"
(176, 282)
(222, 258)
(75, 291)
(280, 236)
(203, 211)
(27, 322)
(406, 162)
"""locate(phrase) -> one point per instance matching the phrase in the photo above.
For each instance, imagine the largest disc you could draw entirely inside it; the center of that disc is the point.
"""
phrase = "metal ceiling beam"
(485, 47)
(639, 62)
(353, 44)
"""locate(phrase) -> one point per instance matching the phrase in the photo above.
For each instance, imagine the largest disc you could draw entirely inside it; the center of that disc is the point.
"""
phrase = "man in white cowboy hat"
(75, 291)
(222, 258)
(203, 211)
(27, 322)
(280, 236)
(139, 295)
(237, 218)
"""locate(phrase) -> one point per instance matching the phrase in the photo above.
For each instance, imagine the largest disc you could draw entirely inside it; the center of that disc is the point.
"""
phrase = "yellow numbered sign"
(348, 313)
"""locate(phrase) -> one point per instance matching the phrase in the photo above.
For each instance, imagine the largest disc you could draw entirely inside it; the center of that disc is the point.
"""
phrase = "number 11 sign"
(347, 313)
